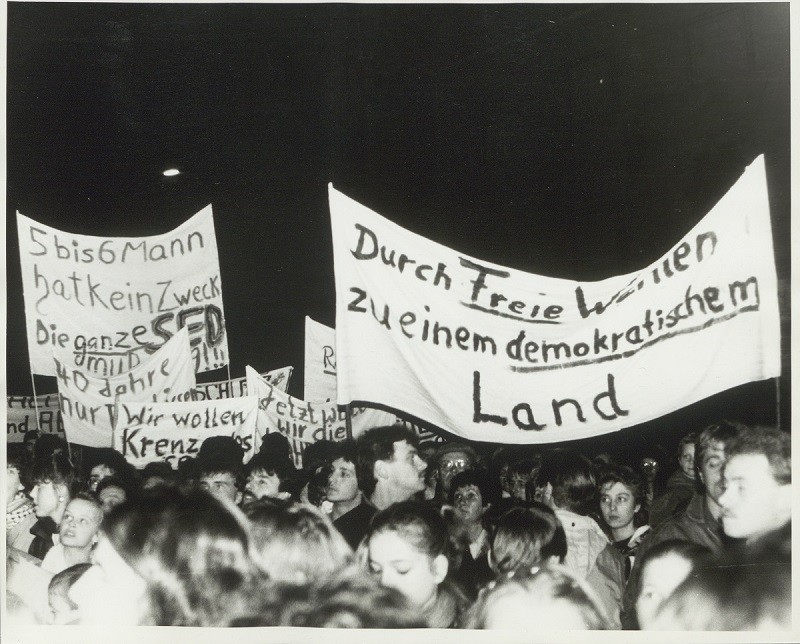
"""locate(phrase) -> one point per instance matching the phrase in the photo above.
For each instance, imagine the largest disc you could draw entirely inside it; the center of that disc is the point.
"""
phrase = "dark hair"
(158, 469)
(377, 444)
(770, 442)
(572, 478)
(614, 473)
(63, 581)
(688, 439)
(220, 464)
(113, 481)
(489, 487)
(20, 461)
(192, 550)
(722, 432)
(272, 464)
(528, 466)
(48, 444)
(115, 461)
(526, 536)
(346, 450)
(55, 468)
(418, 523)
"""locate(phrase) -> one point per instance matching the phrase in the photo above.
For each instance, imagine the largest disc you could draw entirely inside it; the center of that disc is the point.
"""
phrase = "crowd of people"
(385, 532)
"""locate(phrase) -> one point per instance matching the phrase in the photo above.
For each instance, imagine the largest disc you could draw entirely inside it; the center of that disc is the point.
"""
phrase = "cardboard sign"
(168, 432)
(113, 300)
(494, 354)
(21, 412)
(304, 422)
(278, 378)
(319, 374)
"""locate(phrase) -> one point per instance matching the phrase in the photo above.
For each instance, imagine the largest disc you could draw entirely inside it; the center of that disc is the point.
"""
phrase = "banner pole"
(348, 421)
(35, 402)
(778, 402)
(230, 380)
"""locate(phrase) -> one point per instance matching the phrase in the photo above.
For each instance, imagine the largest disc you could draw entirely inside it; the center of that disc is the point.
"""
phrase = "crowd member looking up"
(700, 522)
(295, 543)
(112, 492)
(622, 496)
(106, 463)
(664, 567)
(221, 476)
(169, 559)
(757, 480)
(472, 493)
(268, 477)
(407, 547)
(350, 513)
(389, 468)
(54, 483)
(680, 486)
(63, 610)
(449, 460)
(566, 483)
(20, 513)
(551, 598)
(527, 537)
(77, 534)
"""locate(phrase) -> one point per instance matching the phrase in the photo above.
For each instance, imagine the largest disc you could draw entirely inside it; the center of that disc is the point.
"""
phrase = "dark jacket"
(680, 490)
(42, 531)
(353, 525)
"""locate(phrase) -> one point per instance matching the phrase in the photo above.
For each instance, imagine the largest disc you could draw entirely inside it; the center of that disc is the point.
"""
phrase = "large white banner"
(319, 373)
(304, 422)
(494, 354)
(278, 378)
(88, 402)
(113, 300)
(170, 432)
(21, 413)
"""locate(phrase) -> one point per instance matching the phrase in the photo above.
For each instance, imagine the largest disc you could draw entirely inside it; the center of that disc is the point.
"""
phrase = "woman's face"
(468, 503)
(46, 498)
(660, 577)
(13, 484)
(618, 505)
(401, 566)
(110, 592)
(80, 523)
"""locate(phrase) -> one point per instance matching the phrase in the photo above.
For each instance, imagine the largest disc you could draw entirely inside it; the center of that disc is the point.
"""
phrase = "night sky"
(575, 141)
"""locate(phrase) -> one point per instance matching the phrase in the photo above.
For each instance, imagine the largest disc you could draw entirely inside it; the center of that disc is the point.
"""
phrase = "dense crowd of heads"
(384, 532)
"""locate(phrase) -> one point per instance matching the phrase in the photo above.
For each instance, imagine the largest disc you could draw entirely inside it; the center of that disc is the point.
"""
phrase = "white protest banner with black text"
(21, 416)
(319, 374)
(304, 422)
(278, 378)
(494, 354)
(108, 300)
(148, 432)
(88, 402)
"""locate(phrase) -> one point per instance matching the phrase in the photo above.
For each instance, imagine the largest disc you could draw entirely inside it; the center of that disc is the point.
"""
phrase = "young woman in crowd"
(664, 567)
(550, 599)
(407, 549)
(295, 543)
(54, 483)
(169, 559)
(622, 499)
(77, 534)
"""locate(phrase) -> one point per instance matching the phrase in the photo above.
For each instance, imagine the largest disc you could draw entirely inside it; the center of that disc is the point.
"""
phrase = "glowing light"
(172, 172)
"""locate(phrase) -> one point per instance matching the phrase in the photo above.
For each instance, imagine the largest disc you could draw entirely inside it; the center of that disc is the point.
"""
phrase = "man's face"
(468, 502)
(221, 484)
(98, 473)
(406, 470)
(342, 484)
(80, 524)
(261, 483)
(753, 503)
(451, 464)
(711, 470)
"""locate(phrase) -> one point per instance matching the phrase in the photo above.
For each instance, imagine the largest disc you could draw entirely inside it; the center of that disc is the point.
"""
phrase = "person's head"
(168, 559)
(407, 545)
(686, 454)
(709, 457)
(552, 598)
(29, 441)
(54, 483)
(48, 444)
(520, 473)
(268, 474)
(221, 476)
(342, 481)
(16, 475)
(81, 522)
(758, 483)
(62, 609)
(106, 463)
(112, 492)
(622, 494)
(295, 543)
(387, 458)
(450, 459)
(525, 537)
(566, 481)
(221, 447)
(733, 594)
(155, 474)
(472, 493)
(663, 569)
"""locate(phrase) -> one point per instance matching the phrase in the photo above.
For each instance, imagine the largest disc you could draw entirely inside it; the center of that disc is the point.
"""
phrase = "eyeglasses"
(453, 465)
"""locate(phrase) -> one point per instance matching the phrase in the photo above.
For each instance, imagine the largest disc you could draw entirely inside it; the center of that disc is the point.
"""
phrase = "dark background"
(575, 141)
